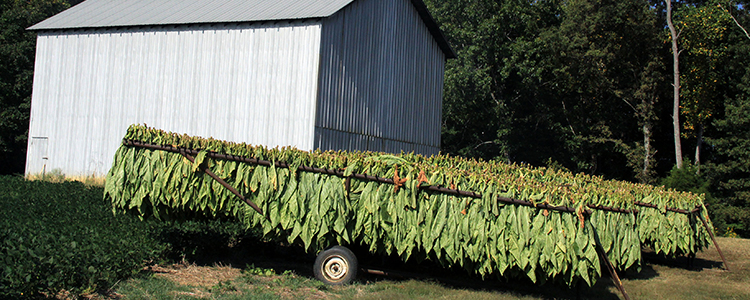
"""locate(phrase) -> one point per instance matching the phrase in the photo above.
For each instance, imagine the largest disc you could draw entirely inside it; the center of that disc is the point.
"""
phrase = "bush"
(687, 179)
(728, 220)
(63, 236)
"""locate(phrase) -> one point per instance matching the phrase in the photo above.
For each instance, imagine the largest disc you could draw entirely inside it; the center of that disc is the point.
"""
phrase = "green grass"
(660, 278)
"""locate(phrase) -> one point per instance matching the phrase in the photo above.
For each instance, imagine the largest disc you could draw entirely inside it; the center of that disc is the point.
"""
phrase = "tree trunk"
(645, 174)
(698, 145)
(676, 84)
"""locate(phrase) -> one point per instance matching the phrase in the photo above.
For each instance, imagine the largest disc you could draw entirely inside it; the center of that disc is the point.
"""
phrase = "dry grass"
(199, 276)
(669, 279)
(219, 281)
(199, 279)
(56, 176)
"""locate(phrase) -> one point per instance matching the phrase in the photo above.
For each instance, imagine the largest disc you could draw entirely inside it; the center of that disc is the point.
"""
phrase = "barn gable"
(341, 74)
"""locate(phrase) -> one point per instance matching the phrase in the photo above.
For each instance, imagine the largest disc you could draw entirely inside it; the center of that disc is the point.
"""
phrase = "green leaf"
(199, 160)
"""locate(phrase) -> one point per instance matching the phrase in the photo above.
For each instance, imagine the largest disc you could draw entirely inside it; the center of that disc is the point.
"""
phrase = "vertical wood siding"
(381, 80)
(254, 83)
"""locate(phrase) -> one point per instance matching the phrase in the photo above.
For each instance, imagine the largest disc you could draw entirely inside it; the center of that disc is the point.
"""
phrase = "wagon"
(490, 218)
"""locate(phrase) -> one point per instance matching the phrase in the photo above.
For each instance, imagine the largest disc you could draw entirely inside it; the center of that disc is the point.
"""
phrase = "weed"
(655, 282)
(224, 287)
(730, 233)
(253, 270)
(150, 287)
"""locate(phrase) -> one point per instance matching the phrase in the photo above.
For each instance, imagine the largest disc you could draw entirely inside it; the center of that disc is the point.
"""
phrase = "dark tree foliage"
(586, 85)
(550, 82)
(476, 116)
(586, 73)
(730, 170)
(732, 167)
(17, 49)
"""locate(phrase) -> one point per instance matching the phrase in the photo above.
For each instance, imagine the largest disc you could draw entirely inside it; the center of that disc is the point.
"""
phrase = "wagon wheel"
(336, 266)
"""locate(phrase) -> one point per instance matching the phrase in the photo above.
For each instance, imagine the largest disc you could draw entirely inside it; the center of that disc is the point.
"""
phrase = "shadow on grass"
(217, 243)
(682, 262)
(207, 247)
(458, 278)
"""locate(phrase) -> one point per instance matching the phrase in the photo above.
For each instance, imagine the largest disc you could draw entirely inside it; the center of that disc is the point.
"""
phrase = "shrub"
(687, 179)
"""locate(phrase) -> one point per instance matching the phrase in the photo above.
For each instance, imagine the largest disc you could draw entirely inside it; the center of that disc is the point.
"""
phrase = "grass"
(220, 282)
(56, 176)
(275, 277)
(667, 279)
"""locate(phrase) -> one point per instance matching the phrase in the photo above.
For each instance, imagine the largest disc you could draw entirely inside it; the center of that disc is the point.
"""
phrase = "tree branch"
(484, 143)
(631, 105)
(735, 20)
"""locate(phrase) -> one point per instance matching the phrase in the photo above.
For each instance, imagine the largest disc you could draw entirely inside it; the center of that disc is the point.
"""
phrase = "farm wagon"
(489, 218)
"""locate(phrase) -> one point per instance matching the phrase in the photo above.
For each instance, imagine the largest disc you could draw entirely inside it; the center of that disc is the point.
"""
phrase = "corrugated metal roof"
(116, 13)
(120, 13)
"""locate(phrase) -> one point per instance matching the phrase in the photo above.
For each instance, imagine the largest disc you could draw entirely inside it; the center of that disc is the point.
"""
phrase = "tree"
(703, 27)
(729, 167)
(476, 116)
(733, 169)
(17, 49)
(647, 95)
(676, 86)
(592, 88)
(568, 82)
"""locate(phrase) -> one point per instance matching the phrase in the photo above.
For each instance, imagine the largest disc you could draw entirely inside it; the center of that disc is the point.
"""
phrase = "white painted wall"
(253, 83)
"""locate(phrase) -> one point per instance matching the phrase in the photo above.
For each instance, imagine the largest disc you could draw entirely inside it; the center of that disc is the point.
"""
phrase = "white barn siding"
(251, 82)
(381, 80)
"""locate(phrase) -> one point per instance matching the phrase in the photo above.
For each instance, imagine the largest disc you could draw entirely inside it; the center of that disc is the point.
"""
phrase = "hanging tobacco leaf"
(483, 235)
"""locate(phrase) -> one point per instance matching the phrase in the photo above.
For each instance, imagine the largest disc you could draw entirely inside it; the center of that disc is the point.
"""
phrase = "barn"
(313, 74)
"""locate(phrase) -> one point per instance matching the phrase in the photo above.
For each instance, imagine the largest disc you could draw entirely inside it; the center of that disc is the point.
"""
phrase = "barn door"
(38, 156)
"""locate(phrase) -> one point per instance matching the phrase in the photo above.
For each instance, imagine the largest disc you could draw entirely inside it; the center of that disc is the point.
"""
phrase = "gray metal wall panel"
(246, 83)
(332, 139)
(381, 76)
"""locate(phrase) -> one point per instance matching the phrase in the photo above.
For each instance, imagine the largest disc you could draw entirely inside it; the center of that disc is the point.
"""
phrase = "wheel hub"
(335, 268)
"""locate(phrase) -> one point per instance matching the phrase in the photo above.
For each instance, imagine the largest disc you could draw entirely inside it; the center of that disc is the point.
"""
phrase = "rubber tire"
(342, 266)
